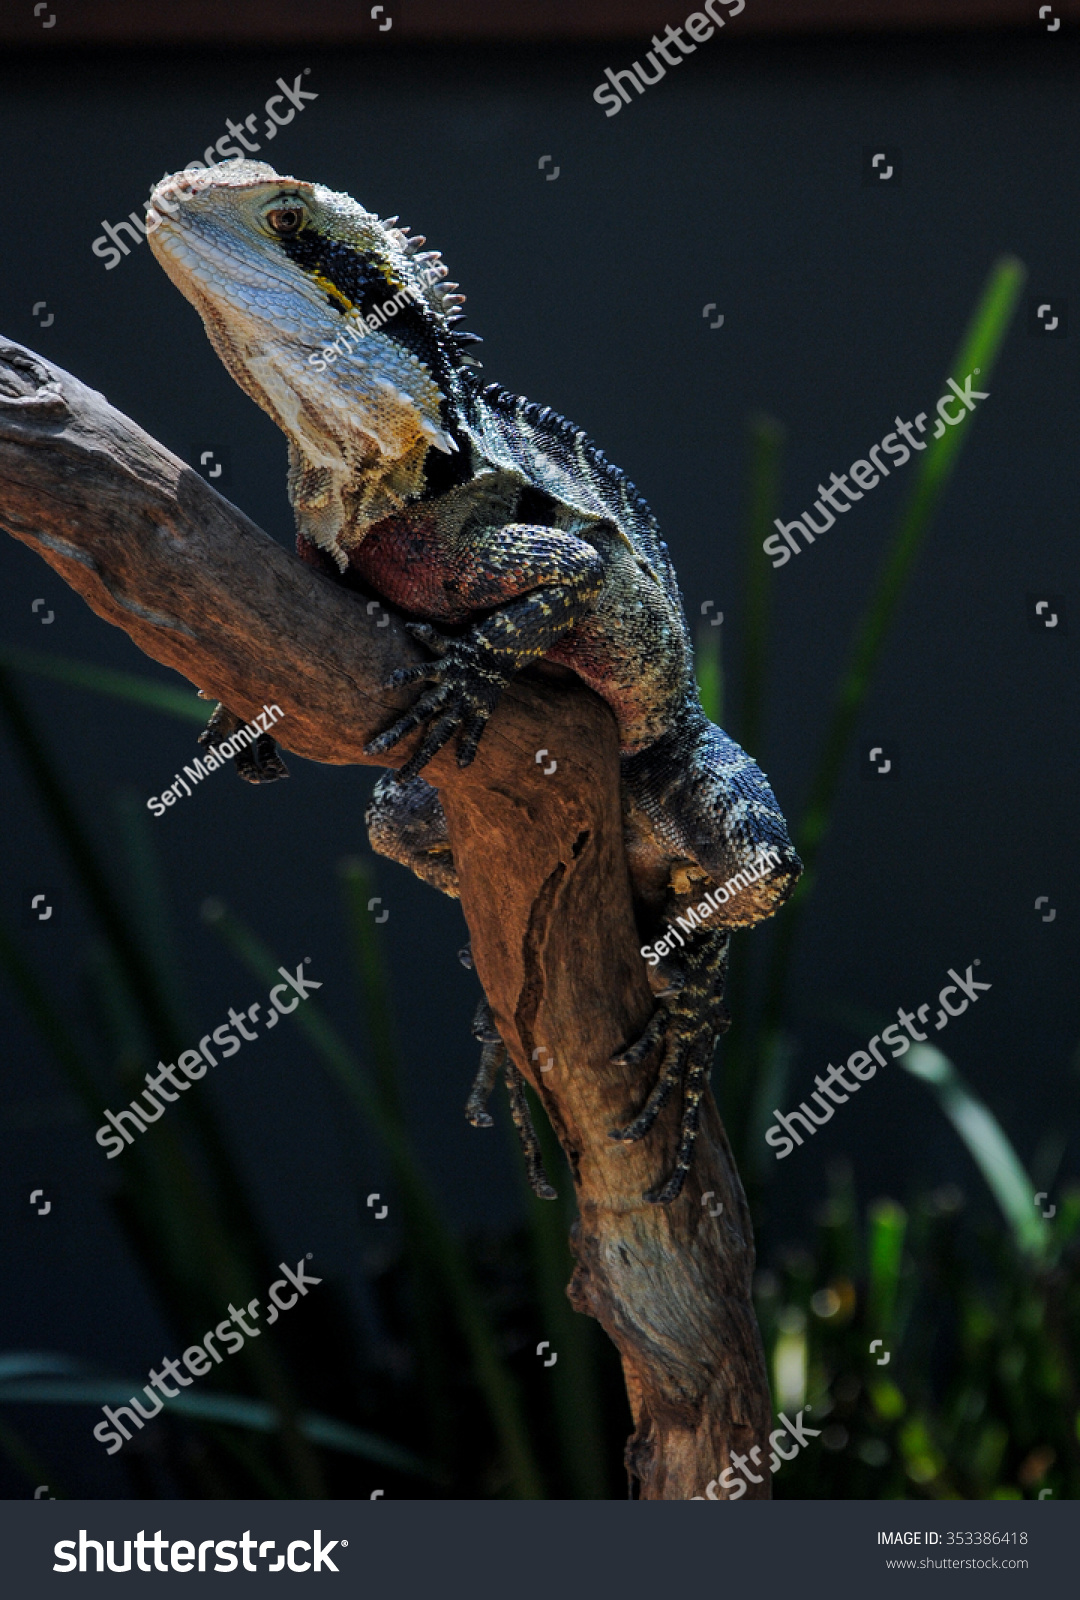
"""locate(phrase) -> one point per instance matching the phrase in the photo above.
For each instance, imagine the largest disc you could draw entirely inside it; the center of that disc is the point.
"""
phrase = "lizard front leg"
(256, 763)
(537, 584)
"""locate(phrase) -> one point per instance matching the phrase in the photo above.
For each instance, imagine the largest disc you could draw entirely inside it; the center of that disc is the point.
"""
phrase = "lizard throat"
(360, 432)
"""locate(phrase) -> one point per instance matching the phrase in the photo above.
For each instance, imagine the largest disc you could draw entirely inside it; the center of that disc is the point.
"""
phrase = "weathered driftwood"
(545, 889)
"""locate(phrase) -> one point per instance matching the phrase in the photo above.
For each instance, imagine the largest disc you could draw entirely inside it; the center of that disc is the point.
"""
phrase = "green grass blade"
(150, 901)
(885, 1254)
(130, 686)
(432, 1351)
(766, 1091)
(578, 1418)
(43, 1014)
(374, 983)
(105, 903)
(988, 1146)
(38, 1364)
(710, 673)
(980, 348)
(172, 1208)
(328, 1043)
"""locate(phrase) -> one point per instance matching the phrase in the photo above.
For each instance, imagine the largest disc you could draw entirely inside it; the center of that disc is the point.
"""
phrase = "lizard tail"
(406, 822)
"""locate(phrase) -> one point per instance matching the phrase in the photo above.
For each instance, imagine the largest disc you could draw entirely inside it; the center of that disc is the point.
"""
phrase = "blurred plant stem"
(709, 667)
(978, 351)
(135, 687)
(424, 1310)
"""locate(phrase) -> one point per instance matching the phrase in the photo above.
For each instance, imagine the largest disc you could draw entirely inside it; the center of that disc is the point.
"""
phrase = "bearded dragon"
(508, 540)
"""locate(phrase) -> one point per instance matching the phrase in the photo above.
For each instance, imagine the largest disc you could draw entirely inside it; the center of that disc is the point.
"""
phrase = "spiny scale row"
(504, 400)
(446, 292)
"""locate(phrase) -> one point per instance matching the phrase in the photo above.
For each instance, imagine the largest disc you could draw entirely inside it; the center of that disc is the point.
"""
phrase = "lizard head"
(333, 321)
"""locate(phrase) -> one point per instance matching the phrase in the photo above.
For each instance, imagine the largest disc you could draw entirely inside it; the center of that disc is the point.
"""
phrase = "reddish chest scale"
(401, 559)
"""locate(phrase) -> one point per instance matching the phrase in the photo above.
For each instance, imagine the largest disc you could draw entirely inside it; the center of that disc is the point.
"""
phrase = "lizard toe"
(430, 745)
(401, 677)
(430, 637)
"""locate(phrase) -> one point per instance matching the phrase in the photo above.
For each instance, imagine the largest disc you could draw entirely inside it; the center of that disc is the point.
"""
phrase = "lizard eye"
(285, 220)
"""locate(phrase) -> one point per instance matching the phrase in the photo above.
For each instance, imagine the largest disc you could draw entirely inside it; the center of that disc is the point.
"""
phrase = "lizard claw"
(401, 677)
(438, 643)
(466, 681)
(432, 640)
(483, 1024)
(636, 1054)
(495, 1058)
(262, 763)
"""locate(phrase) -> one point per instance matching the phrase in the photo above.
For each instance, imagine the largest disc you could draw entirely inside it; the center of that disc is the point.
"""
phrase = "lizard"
(508, 541)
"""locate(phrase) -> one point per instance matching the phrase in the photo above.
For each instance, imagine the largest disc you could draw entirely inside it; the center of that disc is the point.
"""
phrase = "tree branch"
(544, 881)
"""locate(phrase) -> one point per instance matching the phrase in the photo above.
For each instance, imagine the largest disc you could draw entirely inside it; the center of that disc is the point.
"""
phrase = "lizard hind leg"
(698, 812)
(530, 1144)
(492, 1059)
(494, 1055)
(688, 1019)
(406, 822)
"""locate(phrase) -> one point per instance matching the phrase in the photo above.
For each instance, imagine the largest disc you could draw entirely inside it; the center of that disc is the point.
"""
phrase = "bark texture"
(546, 893)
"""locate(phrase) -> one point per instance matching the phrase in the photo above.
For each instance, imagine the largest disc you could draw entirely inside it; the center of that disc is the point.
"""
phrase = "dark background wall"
(736, 180)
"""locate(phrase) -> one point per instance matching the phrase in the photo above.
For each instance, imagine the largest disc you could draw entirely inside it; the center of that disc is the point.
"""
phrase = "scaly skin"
(506, 536)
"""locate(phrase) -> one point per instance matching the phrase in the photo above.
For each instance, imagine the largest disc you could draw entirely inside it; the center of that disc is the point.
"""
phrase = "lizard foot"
(256, 763)
(688, 1021)
(467, 678)
(494, 1056)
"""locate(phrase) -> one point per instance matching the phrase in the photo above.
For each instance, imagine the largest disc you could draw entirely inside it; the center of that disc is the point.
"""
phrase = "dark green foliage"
(978, 1398)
